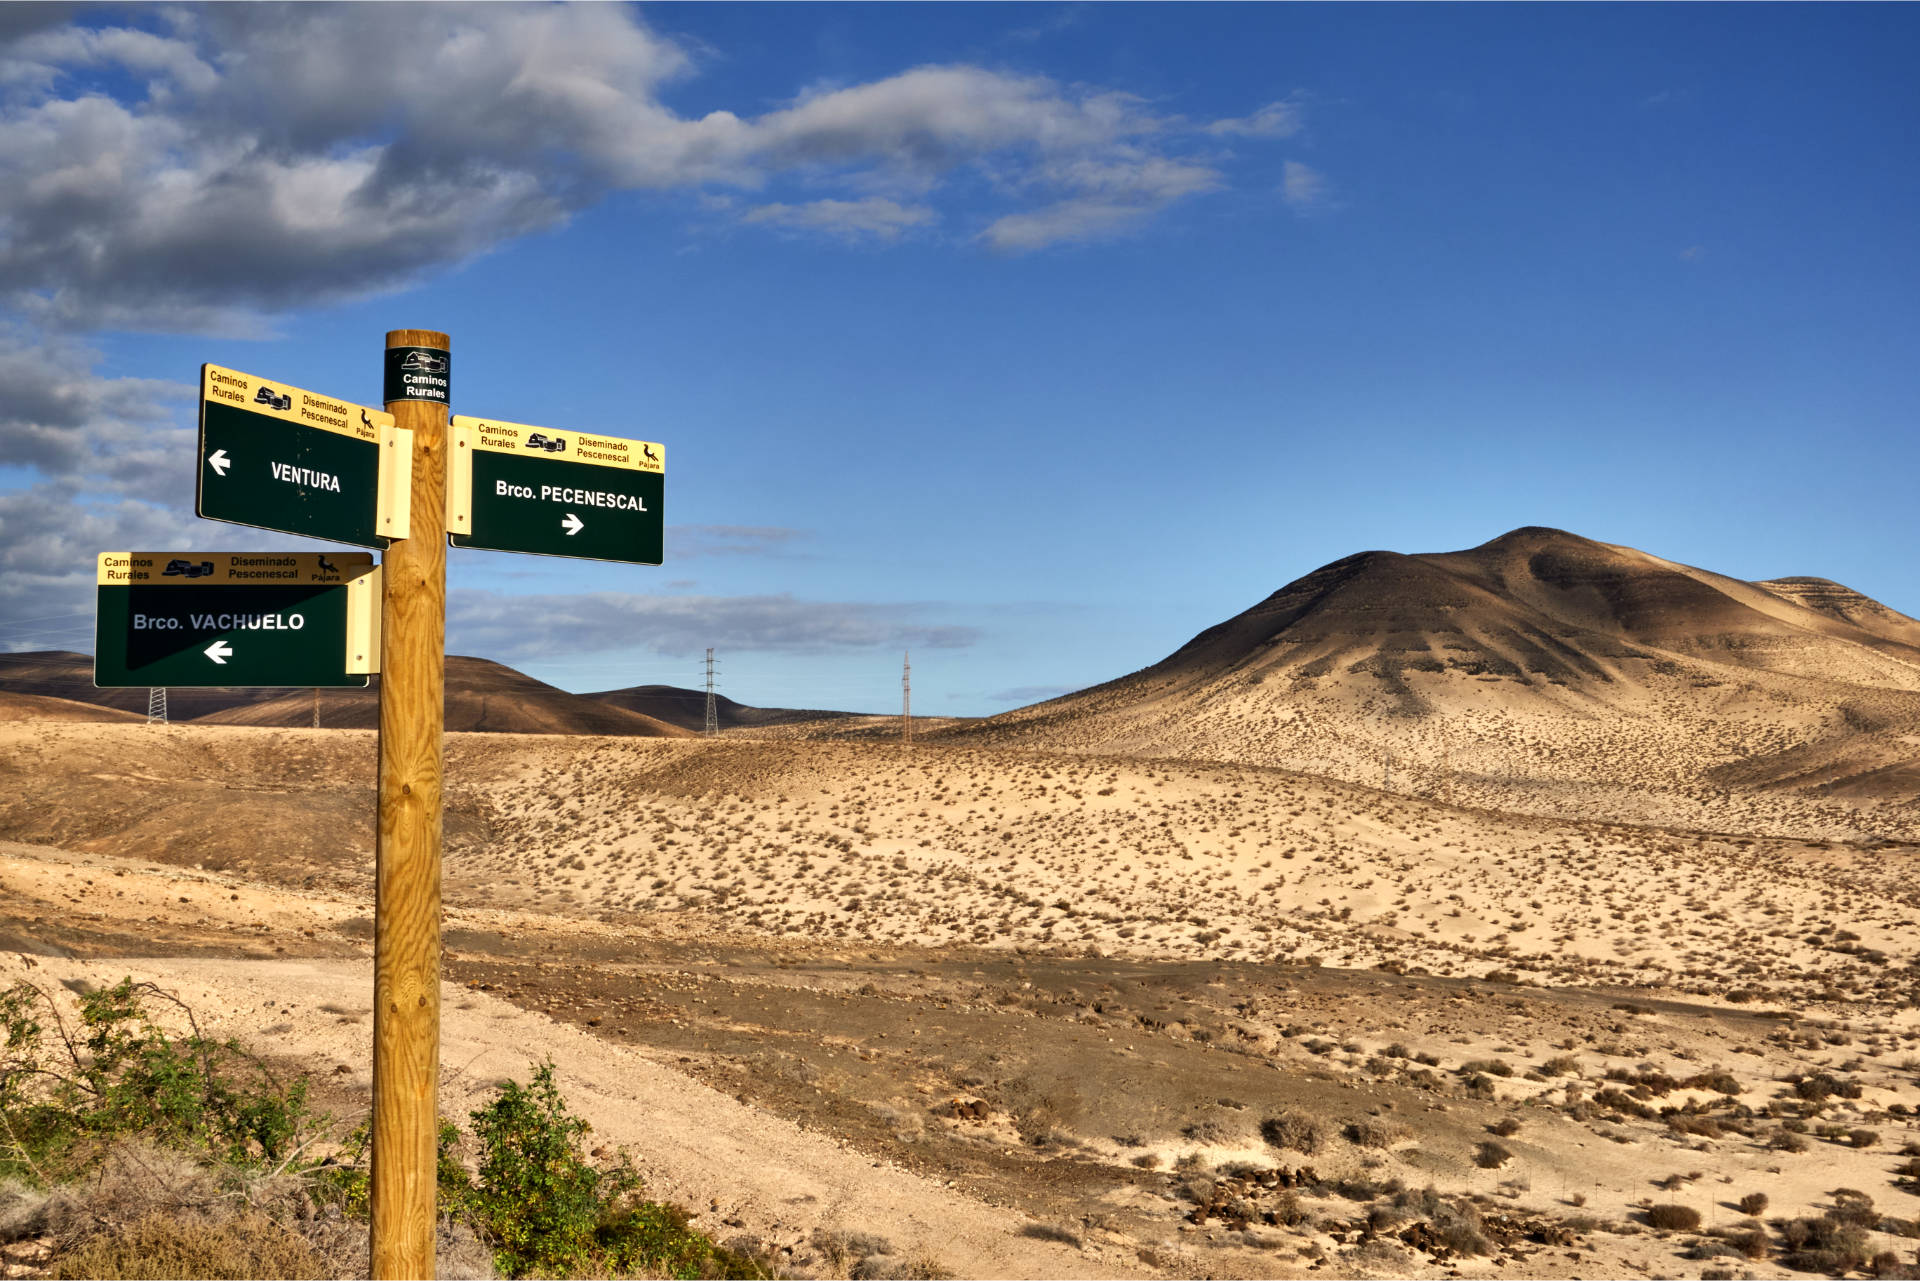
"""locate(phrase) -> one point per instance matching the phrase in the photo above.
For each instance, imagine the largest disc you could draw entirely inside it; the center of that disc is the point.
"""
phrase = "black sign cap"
(419, 373)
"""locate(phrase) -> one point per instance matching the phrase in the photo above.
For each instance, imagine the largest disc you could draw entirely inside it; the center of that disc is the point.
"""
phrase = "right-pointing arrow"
(572, 524)
(219, 461)
(219, 652)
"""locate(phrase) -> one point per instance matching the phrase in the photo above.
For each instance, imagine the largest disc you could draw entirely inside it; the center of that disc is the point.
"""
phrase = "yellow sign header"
(201, 569)
(222, 386)
(575, 446)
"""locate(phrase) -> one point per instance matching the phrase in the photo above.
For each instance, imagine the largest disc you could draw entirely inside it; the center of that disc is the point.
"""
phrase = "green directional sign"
(236, 618)
(277, 457)
(515, 488)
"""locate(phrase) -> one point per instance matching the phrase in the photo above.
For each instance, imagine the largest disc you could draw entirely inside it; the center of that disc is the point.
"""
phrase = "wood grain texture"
(406, 968)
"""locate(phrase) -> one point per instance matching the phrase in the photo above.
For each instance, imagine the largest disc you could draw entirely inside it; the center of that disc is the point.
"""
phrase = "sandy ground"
(1027, 1012)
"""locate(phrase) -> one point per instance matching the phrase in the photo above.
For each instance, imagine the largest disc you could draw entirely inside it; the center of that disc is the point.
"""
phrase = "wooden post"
(406, 958)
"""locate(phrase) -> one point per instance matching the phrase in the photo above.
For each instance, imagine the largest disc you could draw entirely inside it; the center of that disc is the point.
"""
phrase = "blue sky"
(1037, 338)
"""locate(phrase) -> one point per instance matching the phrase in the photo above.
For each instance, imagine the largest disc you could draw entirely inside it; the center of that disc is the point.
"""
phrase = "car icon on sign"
(268, 396)
(421, 362)
(540, 440)
(178, 567)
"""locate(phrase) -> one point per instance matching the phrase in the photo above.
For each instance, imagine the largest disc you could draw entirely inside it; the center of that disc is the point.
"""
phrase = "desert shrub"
(1561, 1065)
(1373, 1134)
(1785, 1140)
(166, 1246)
(1853, 1207)
(1456, 1222)
(1863, 1138)
(1818, 1087)
(1688, 1123)
(1824, 1244)
(1491, 1156)
(1754, 1203)
(121, 1073)
(1752, 1243)
(1294, 1131)
(1506, 1127)
(1492, 1067)
(1284, 1210)
(1673, 1218)
(1718, 1079)
(919, 1266)
(1208, 1130)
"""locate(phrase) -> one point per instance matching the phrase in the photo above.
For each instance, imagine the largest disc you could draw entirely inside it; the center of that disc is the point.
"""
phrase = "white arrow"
(572, 524)
(219, 461)
(219, 652)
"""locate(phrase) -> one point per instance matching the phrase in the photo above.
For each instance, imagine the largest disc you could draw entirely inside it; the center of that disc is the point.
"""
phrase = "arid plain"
(1544, 909)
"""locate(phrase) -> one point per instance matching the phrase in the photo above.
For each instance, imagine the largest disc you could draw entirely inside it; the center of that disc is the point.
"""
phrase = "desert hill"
(687, 708)
(43, 707)
(64, 674)
(482, 696)
(1540, 671)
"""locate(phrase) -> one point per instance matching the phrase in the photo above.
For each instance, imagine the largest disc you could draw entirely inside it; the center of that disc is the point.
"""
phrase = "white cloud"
(278, 157)
(873, 217)
(1022, 695)
(1275, 120)
(1302, 187)
(1067, 221)
(687, 541)
(61, 418)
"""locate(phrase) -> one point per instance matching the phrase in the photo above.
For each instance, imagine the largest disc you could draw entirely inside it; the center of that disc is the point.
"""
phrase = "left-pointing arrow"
(219, 461)
(219, 652)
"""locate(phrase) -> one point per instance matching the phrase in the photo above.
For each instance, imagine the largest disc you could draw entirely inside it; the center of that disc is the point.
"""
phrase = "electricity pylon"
(713, 718)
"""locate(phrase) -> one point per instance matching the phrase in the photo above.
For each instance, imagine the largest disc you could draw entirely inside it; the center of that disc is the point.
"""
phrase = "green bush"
(549, 1212)
(119, 1072)
(535, 1193)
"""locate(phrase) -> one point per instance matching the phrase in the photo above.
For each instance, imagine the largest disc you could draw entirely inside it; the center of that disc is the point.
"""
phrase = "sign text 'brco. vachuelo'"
(236, 618)
(515, 488)
(277, 457)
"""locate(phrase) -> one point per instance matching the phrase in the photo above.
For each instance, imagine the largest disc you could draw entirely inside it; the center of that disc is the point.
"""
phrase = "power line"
(906, 696)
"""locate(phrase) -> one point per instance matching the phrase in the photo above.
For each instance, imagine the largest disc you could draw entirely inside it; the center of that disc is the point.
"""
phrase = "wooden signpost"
(408, 480)
(406, 911)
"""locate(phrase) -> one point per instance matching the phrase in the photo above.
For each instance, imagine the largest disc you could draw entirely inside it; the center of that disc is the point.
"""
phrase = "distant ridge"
(687, 708)
(481, 697)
